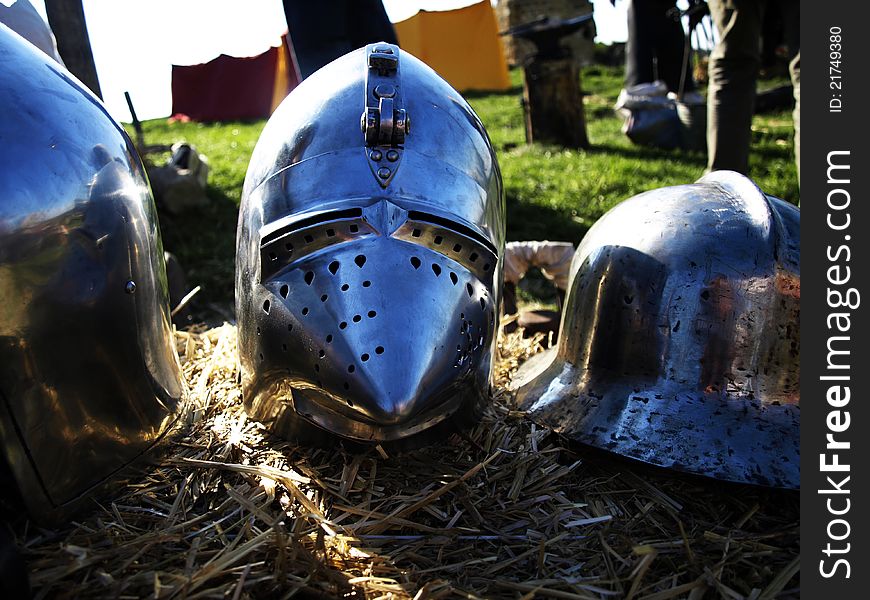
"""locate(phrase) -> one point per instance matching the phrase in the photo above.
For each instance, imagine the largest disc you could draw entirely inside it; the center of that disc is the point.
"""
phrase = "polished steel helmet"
(368, 257)
(680, 341)
(89, 376)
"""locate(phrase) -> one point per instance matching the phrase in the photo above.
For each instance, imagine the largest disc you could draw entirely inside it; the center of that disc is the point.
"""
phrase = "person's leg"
(640, 44)
(733, 72)
(670, 48)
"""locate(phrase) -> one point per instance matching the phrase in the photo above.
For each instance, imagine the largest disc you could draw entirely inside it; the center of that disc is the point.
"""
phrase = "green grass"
(552, 193)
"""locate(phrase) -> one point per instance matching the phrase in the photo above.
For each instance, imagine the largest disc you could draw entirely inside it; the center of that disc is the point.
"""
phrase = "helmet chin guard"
(680, 341)
(368, 262)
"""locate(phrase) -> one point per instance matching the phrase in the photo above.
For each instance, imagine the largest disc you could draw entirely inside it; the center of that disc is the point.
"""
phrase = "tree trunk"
(553, 103)
(67, 20)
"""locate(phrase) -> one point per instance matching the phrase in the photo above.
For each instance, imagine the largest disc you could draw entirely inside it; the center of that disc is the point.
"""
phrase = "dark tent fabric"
(230, 88)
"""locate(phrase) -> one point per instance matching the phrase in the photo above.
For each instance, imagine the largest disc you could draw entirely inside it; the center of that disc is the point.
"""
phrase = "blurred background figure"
(733, 72)
(323, 31)
(656, 47)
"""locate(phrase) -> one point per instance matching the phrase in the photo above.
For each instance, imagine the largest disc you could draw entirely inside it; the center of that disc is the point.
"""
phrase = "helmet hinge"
(385, 122)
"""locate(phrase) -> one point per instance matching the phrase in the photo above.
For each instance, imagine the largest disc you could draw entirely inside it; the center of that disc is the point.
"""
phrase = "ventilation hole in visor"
(457, 248)
(258, 331)
(415, 262)
(379, 350)
(324, 298)
(454, 278)
(262, 358)
(333, 267)
(351, 368)
(273, 256)
(473, 257)
(321, 354)
(284, 347)
(317, 368)
(437, 270)
(354, 228)
(330, 232)
(289, 326)
(329, 339)
(309, 277)
(288, 247)
(372, 314)
(266, 306)
(364, 357)
(342, 325)
(304, 311)
(285, 289)
(469, 289)
(416, 233)
(345, 287)
(438, 239)
(360, 260)
(486, 267)
(308, 238)
(482, 304)
(367, 283)
(346, 386)
(357, 318)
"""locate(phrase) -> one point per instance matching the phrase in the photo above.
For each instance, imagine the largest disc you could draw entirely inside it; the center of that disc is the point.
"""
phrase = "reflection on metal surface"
(680, 342)
(89, 377)
(368, 265)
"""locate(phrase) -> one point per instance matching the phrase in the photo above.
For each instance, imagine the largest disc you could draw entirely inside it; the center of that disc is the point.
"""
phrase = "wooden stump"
(553, 103)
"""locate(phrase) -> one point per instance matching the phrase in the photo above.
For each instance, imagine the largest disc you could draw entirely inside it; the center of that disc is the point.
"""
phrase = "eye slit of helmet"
(436, 269)
(309, 277)
(285, 289)
(333, 267)
(360, 260)
(415, 262)
(454, 278)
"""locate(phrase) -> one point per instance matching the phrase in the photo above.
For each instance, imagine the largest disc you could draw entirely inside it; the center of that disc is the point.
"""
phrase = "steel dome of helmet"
(680, 341)
(89, 375)
(368, 265)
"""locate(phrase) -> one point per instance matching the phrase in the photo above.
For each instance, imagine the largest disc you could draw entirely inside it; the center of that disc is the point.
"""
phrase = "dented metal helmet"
(368, 254)
(680, 342)
(89, 375)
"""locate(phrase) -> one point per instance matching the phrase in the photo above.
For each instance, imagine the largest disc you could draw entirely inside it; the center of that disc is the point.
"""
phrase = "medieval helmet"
(369, 250)
(680, 341)
(89, 375)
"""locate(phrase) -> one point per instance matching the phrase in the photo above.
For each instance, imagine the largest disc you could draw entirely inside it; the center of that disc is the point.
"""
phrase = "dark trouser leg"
(795, 70)
(733, 72)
